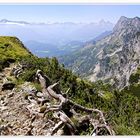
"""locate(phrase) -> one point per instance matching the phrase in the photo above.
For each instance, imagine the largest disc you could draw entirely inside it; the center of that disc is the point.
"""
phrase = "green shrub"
(37, 86)
(125, 130)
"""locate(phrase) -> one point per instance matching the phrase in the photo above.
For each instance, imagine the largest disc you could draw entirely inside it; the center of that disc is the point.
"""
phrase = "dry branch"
(61, 115)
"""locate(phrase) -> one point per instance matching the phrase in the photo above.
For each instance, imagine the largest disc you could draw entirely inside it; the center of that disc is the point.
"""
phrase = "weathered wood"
(57, 126)
(44, 82)
(64, 119)
(94, 132)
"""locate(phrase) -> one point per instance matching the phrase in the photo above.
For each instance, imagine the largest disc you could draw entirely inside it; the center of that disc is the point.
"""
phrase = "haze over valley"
(53, 39)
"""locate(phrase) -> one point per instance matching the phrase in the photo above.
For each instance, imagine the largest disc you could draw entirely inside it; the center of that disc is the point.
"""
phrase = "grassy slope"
(12, 47)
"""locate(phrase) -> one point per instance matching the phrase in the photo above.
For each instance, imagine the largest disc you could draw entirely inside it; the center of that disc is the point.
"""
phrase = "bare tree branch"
(64, 119)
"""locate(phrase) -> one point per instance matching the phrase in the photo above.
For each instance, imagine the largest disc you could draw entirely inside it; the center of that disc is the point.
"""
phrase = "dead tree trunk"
(44, 82)
(63, 117)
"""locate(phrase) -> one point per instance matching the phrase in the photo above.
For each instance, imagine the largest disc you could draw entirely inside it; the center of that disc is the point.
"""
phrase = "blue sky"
(67, 13)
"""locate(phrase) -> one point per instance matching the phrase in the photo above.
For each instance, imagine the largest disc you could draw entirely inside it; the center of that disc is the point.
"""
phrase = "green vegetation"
(134, 78)
(11, 49)
(121, 108)
(134, 87)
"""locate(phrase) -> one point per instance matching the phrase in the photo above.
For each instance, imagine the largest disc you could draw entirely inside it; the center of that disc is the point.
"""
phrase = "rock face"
(121, 56)
(113, 58)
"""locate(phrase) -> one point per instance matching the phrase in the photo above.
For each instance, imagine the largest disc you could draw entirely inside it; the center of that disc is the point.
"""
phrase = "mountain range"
(113, 58)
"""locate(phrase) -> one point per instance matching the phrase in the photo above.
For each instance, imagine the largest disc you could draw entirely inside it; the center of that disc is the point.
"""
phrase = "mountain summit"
(125, 23)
